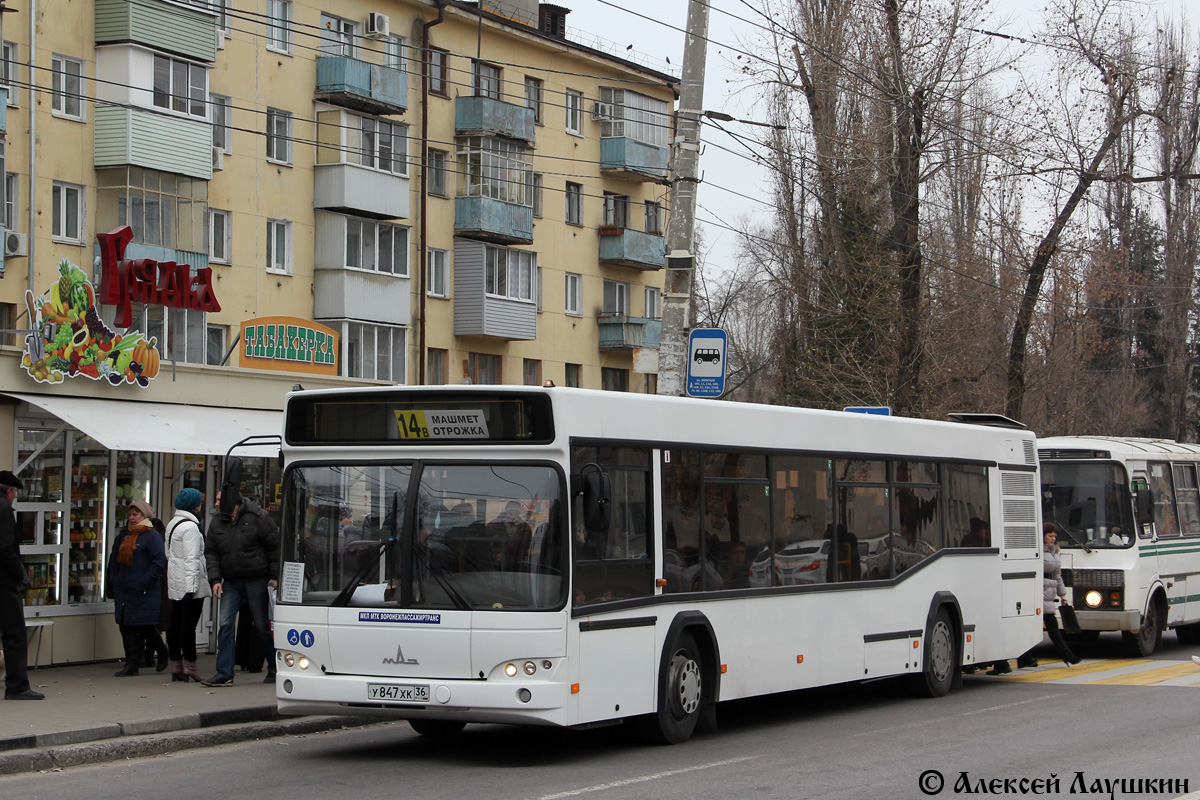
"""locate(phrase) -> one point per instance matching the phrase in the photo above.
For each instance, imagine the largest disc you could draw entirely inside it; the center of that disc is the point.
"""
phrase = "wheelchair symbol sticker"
(293, 637)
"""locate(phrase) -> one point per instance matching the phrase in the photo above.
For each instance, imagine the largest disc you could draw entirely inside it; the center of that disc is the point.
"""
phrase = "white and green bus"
(1128, 515)
(566, 557)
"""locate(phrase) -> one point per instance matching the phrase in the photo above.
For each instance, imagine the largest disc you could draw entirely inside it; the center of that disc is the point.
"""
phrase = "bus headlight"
(303, 662)
(510, 670)
(289, 659)
(529, 667)
(1093, 599)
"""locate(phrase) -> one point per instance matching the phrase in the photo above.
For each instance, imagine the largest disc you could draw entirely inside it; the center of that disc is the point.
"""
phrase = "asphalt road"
(869, 741)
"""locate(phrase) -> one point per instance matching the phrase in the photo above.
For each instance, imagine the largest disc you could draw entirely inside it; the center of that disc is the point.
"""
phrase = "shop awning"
(162, 427)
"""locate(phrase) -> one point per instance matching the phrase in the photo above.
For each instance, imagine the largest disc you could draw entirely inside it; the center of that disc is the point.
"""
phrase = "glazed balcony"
(171, 27)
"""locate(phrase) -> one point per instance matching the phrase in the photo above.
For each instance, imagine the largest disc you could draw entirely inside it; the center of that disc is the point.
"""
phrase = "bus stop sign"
(706, 362)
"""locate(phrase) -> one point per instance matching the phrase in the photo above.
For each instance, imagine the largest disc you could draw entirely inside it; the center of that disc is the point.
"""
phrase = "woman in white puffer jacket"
(187, 582)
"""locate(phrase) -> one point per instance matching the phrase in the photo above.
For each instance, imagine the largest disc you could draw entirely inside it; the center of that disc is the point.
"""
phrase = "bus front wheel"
(1146, 639)
(941, 658)
(680, 696)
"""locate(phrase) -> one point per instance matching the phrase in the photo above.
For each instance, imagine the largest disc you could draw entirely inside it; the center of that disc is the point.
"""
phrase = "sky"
(732, 184)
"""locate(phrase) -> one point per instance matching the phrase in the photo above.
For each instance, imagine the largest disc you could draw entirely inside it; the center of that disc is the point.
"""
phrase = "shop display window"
(89, 500)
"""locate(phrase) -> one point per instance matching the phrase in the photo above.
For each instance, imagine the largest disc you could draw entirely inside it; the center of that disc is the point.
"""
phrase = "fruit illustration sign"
(72, 341)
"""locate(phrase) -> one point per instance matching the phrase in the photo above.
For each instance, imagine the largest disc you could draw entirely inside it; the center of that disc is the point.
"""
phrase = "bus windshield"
(436, 536)
(1089, 503)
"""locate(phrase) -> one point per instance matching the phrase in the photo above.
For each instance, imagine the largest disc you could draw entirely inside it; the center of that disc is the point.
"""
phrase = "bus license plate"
(400, 693)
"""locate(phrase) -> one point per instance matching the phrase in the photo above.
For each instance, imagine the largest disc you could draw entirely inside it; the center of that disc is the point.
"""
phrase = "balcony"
(624, 247)
(132, 136)
(171, 27)
(361, 295)
(477, 313)
(351, 83)
(493, 220)
(628, 333)
(483, 116)
(629, 158)
(351, 189)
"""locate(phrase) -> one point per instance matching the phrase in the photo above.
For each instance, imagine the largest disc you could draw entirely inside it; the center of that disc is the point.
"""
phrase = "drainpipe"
(30, 238)
(424, 228)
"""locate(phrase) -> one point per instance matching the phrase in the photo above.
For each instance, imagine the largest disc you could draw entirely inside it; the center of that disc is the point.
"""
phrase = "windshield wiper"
(348, 590)
(439, 574)
(1081, 542)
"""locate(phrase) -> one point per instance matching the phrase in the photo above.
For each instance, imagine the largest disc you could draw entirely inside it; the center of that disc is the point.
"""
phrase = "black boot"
(133, 643)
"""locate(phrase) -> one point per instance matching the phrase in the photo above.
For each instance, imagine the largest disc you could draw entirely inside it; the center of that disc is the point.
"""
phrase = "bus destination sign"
(442, 424)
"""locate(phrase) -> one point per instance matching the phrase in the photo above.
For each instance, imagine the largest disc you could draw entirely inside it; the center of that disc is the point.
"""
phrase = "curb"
(169, 740)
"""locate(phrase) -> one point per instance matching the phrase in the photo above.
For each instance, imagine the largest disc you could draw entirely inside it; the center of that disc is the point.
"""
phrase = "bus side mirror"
(1145, 506)
(596, 488)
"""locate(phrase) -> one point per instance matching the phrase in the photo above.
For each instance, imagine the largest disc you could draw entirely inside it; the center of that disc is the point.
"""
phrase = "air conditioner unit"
(378, 26)
(15, 244)
(601, 111)
(218, 159)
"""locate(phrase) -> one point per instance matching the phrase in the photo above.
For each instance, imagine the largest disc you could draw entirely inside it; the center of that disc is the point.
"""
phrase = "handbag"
(1070, 622)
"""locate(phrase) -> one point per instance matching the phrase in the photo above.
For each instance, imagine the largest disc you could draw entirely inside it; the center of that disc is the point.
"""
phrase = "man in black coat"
(242, 553)
(14, 582)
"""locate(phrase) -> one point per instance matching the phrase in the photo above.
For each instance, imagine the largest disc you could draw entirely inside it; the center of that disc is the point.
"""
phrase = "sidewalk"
(86, 704)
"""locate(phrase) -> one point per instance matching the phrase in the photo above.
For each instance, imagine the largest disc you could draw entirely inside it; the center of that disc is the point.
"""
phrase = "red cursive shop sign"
(144, 280)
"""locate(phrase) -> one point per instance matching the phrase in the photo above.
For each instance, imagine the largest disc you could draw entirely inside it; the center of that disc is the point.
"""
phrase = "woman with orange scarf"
(134, 573)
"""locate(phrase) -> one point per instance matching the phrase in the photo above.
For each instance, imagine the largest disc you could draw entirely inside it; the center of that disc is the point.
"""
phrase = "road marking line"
(1149, 676)
(644, 778)
(1042, 676)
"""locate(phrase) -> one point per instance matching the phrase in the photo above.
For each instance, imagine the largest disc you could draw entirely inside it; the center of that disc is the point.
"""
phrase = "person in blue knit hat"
(187, 583)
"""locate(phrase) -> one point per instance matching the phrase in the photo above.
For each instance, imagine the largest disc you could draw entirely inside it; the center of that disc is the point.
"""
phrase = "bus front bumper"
(515, 701)
(1089, 620)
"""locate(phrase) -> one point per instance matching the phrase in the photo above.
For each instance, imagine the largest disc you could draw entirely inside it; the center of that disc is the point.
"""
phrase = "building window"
(437, 272)
(67, 87)
(163, 208)
(533, 98)
(483, 368)
(279, 136)
(10, 71)
(435, 367)
(339, 37)
(653, 303)
(535, 179)
(376, 246)
(395, 51)
(495, 168)
(616, 210)
(221, 8)
(380, 144)
(574, 203)
(508, 272)
(571, 378)
(375, 352)
(181, 86)
(279, 246)
(218, 236)
(634, 116)
(614, 380)
(531, 372)
(437, 60)
(12, 188)
(67, 225)
(215, 355)
(574, 304)
(537, 287)
(437, 173)
(279, 26)
(221, 114)
(653, 217)
(616, 298)
(574, 104)
(487, 80)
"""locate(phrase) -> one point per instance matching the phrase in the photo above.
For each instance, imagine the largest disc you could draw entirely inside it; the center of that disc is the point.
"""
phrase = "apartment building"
(399, 191)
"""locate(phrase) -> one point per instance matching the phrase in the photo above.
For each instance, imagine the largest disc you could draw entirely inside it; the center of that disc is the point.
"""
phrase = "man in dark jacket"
(14, 581)
(242, 553)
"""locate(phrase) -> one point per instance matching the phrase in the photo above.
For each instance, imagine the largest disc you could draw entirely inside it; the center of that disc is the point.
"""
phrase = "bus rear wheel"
(1146, 639)
(437, 728)
(680, 698)
(941, 658)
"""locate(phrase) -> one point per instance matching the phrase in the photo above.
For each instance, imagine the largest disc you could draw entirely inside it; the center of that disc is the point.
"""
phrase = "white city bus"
(570, 557)
(1128, 514)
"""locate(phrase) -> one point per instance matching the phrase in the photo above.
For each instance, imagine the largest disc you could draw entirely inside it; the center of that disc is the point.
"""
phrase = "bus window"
(681, 518)
(1187, 497)
(1165, 520)
(615, 564)
(918, 516)
(803, 510)
(966, 499)
(863, 518)
(1089, 502)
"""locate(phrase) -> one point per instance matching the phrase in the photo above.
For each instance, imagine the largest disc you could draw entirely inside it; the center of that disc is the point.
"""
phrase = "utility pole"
(681, 260)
